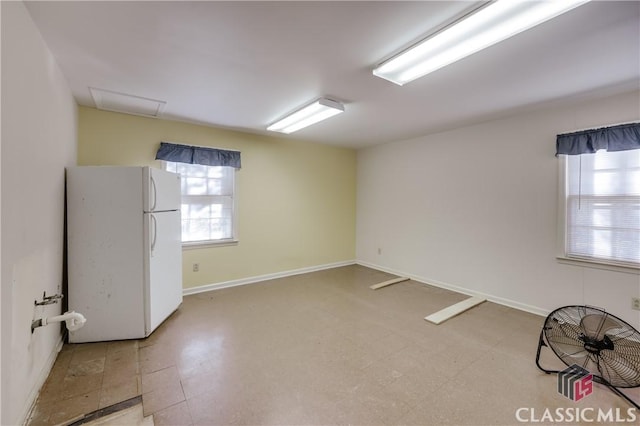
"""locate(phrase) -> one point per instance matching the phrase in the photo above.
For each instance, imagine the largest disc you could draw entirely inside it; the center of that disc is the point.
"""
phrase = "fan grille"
(599, 342)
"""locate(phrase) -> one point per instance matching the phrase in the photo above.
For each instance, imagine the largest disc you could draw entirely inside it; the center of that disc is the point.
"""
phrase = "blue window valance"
(623, 137)
(198, 155)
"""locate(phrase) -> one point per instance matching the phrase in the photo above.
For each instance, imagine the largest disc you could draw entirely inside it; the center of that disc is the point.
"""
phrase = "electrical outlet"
(196, 267)
(635, 303)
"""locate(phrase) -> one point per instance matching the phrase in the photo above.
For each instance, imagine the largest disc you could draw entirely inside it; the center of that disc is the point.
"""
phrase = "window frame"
(561, 244)
(234, 240)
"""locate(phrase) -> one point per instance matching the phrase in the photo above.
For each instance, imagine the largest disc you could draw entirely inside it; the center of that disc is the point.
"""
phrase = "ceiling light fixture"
(485, 27)
(318, 110)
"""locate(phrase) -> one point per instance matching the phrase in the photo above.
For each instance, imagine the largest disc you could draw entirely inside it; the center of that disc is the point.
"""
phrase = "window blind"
(207, 210)
(603, 206)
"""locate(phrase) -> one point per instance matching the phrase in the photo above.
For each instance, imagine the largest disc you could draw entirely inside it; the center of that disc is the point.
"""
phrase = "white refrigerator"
(124, 250)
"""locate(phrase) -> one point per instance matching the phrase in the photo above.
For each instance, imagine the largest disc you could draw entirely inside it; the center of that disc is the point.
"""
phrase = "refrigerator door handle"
(154, 194)
(154, 226)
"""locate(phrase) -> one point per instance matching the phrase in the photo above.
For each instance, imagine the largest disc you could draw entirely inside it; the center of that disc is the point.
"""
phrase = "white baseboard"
(266, 277)
(42, 378)
(495, 299)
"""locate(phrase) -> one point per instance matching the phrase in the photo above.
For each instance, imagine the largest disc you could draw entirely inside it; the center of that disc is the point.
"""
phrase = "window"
(207, 202)
(602, 202)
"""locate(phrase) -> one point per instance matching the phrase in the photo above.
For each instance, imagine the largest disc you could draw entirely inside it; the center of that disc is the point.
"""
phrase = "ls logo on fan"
(575, 382)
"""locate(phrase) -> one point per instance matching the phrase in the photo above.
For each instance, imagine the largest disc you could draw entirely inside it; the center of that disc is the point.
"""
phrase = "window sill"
(208, 244)
(592, 263)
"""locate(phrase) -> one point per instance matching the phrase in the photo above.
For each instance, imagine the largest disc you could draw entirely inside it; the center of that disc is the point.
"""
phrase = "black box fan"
(600, 343)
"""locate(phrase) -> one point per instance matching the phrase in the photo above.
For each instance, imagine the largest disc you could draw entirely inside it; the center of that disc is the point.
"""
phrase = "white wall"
(39, 121)
(1, 329)
(475, 208)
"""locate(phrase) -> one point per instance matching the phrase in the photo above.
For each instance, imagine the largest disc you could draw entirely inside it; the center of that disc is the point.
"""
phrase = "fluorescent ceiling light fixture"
(487, 26)
(318, 110)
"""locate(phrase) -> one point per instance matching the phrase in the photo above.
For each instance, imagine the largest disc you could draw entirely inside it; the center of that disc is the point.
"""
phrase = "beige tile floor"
(130, 416)
(88, 377)
(320, 349)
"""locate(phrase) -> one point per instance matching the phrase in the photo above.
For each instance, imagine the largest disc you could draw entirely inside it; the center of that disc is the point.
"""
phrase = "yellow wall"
(295, 200)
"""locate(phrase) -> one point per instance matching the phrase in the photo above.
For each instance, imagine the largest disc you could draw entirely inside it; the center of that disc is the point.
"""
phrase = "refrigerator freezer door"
(161, 190)
(163, 257)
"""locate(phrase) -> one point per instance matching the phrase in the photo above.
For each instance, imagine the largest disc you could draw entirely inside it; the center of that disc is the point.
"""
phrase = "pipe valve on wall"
(48, 300)
(73, 320)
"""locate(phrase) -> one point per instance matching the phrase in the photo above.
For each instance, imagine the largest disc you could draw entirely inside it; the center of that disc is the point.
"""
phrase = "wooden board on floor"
(386, 283)
(454, 310)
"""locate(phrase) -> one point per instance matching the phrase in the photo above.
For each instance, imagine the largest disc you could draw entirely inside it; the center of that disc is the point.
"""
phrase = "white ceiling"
(242, 65)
